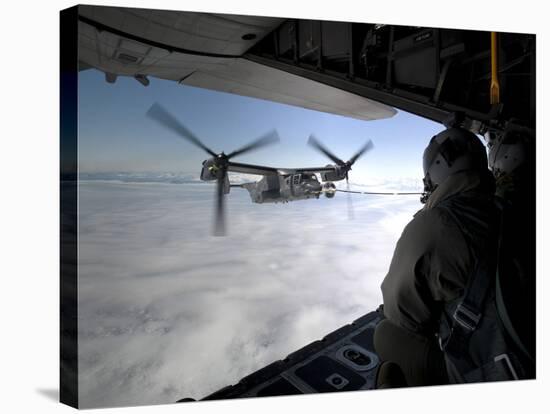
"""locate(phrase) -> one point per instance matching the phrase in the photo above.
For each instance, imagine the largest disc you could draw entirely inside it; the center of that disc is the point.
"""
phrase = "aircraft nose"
(315, 186)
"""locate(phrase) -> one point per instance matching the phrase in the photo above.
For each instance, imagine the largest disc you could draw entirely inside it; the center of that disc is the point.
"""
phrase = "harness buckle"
(466, 317)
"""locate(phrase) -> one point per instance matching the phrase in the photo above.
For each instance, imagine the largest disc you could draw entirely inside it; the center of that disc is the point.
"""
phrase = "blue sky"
(115, 135)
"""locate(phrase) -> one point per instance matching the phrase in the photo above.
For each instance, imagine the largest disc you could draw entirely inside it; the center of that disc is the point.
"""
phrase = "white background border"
(29, 205)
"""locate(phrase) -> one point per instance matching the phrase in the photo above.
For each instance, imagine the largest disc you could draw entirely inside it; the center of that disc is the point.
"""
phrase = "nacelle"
(209, 170)
(338, 174)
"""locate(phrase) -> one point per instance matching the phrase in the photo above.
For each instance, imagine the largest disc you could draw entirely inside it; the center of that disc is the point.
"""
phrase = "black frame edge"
(68, 83)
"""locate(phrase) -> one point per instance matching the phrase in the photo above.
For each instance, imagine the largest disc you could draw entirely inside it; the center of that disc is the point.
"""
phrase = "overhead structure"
(207, 51)
(358, 70)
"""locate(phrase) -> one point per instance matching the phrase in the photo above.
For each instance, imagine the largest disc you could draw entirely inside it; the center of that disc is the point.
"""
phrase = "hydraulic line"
(377, 193)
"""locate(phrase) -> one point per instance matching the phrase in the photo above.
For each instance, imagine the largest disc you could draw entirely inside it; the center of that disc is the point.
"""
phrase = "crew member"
(512, 161)
(433, 259)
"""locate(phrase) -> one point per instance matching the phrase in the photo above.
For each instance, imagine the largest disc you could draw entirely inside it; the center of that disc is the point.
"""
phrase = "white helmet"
(449, 152)
(508, 151)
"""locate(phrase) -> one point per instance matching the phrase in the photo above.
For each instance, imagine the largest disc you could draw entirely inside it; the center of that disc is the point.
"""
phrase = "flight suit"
(432, 262)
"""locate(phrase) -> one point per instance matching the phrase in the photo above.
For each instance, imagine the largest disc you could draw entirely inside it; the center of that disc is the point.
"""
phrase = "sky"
(115, 135)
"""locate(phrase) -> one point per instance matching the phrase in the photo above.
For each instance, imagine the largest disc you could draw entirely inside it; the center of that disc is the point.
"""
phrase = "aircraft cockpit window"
(306, 177)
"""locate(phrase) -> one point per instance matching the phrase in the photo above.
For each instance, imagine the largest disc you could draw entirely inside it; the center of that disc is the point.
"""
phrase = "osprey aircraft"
(277, 184)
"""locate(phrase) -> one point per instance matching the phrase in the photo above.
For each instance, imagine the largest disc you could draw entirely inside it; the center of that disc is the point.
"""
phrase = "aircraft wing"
(263, 170)
(251, 169)
(312, 170)
(207, 51)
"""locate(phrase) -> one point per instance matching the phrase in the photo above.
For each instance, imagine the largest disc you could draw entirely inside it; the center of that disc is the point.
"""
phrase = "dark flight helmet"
(449, 152)
(509, 151)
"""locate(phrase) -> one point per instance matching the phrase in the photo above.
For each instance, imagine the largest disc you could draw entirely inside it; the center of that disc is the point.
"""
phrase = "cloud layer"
(167, 311)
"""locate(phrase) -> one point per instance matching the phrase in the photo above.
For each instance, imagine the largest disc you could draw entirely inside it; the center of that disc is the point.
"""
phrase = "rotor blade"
(367, 147)
(350, 202)
(270, 138)
(219, 224)
(166, 119)
(316, 144)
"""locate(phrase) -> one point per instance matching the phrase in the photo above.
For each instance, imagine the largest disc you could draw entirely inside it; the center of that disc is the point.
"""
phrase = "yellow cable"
(495, 85)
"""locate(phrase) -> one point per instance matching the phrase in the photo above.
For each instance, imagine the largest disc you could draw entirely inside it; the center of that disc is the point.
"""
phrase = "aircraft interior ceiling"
(359, 70)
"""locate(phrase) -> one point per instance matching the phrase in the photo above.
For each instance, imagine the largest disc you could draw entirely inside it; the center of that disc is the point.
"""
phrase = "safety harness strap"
(474, 312)
(469, 310)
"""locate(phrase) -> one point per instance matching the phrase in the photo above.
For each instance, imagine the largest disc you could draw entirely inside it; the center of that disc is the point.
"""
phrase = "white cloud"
(167, 311)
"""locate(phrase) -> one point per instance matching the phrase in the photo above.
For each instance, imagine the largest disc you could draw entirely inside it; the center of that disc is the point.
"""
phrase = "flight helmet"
(449, 152)
(507, 152)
